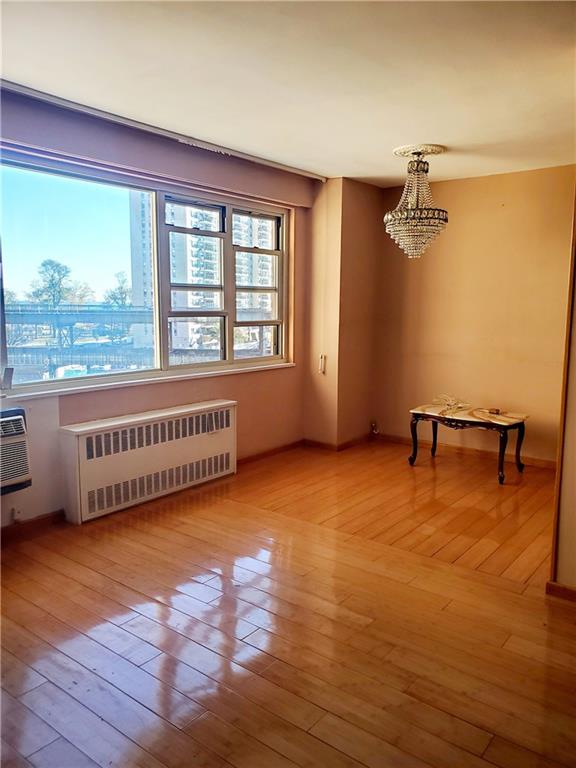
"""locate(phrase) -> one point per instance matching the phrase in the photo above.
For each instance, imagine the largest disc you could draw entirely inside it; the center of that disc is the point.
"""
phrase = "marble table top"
(471, 414)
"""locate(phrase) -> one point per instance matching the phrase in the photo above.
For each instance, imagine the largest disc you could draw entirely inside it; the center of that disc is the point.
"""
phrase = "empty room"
(288, 368)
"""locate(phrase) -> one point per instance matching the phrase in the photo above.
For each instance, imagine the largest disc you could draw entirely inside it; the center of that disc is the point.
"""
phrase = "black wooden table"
(470, 418)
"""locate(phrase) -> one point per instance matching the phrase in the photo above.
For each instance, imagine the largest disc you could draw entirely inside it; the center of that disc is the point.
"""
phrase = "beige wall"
(566, 539)
(323, 318)
(482, 314)
(363, 242)
(347, 241)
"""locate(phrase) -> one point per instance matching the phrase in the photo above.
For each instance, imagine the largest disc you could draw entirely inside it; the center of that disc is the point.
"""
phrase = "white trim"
(114, 422)
(24, 90)
(156, 377)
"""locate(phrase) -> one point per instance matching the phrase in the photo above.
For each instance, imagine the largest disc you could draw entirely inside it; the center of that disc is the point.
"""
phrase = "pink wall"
(270, 402)
(34, 123)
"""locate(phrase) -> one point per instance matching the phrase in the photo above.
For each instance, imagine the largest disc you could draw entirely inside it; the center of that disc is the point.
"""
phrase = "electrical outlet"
(16, 514)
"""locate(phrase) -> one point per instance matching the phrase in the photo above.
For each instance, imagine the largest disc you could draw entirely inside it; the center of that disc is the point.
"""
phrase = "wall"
(363, 242)
(566, 536)
(270, 411)
(30, 123)
(482, 314)
(347, 241)
(45, 495)
(323, 318)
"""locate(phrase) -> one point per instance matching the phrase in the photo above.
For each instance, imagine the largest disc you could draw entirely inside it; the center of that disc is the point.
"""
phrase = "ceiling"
(329, 87)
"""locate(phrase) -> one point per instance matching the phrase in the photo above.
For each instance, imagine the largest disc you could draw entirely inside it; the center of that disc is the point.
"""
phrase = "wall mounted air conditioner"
(14, 461)
(116, 463)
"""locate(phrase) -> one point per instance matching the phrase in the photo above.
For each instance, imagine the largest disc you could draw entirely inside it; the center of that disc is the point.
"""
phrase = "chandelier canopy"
(415, 222)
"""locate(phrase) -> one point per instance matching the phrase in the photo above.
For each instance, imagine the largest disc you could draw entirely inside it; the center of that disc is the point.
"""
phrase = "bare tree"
(54, 283)
(80, 293)
(120, 294)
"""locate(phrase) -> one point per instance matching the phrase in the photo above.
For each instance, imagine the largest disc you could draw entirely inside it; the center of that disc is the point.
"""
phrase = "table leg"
(519, 440)
(414, 431)
(434, 437)
(502, 451)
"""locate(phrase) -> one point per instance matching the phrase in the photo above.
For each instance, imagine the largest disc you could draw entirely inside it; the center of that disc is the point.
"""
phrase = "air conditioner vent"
(15, 471)
(12, 426)
(13, 461)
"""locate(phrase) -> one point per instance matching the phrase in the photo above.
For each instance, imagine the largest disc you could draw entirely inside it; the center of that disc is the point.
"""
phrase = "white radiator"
(116, 463)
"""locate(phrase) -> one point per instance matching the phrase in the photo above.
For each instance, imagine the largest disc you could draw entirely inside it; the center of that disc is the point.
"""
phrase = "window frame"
(177, 191)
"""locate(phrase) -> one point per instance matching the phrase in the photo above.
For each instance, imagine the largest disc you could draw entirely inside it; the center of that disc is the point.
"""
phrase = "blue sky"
(81, 224)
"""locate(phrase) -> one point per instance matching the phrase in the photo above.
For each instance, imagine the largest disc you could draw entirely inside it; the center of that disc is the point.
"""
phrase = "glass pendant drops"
(416, 222)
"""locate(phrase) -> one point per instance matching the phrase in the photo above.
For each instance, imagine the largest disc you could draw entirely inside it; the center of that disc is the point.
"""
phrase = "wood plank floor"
(451, 508)
(268, 621)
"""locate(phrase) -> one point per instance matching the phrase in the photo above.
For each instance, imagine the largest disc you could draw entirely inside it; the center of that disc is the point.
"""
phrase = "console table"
(470, 418)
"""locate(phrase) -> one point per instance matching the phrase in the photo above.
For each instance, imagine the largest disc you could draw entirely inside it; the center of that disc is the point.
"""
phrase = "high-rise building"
(194, 260)
(197, 260)
(142, 279)
(253, 269)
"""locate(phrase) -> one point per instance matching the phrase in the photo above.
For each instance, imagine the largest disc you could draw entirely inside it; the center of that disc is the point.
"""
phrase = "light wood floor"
(451, 508)
(261, 623)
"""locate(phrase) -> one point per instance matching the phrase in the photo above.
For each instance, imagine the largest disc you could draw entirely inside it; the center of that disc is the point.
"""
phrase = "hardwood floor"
(317, 610)
(450, 508)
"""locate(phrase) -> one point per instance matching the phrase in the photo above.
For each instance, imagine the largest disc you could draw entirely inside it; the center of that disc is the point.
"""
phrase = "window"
(103, 280)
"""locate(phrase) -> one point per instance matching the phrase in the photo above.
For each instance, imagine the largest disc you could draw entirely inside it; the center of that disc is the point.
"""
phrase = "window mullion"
(3, 345)
(190, 312)
(281, 283)
(163, 272)
(229, 286)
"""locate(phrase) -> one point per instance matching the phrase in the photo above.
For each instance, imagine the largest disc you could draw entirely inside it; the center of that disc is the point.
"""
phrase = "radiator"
(116, 463)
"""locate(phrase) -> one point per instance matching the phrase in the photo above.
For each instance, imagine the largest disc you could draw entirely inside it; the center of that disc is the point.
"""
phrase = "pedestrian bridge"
(30, 313)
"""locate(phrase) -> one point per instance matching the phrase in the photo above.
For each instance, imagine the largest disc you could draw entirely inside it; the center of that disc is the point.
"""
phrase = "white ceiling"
(328, 87)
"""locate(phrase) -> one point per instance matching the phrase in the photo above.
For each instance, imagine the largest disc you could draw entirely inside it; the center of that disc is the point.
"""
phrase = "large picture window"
(107, 280)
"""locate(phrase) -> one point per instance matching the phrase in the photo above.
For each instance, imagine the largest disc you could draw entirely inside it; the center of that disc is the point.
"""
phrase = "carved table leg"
(502, 451)
(434, 437)
(414, 431)
(519, 440)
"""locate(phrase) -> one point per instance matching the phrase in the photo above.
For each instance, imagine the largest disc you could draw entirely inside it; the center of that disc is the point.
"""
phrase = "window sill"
(30, 393)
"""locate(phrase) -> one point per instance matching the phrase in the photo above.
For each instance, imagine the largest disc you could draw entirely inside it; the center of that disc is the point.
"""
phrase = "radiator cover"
(115, 463)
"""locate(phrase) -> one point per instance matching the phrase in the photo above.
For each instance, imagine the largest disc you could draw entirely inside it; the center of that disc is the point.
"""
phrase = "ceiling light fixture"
(415, 222)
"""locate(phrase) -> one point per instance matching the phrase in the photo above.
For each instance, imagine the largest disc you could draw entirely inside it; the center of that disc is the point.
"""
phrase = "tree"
(53, 285)
(79, 293)
(120, 295)
(15, 334)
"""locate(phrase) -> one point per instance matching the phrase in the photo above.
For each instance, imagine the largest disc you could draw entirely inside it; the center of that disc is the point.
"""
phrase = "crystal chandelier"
(415, 222)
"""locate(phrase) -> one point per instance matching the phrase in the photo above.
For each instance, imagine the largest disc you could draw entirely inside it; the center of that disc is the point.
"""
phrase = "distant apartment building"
(142, 279)
(195, 260)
